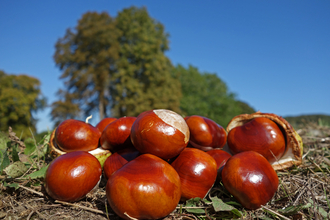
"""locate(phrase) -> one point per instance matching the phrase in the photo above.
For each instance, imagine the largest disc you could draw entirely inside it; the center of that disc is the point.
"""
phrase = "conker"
(250, 178)
(294, 145)
(72, 175)
(259, 134)
(197, 171)
(75, 135)
(160, 132)
(145, 188)
(220, 157)
(104, 122)
(205, 134)
(119, 159)
(116, 136)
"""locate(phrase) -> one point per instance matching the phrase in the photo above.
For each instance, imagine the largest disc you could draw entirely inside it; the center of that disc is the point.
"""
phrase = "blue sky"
(274, 55)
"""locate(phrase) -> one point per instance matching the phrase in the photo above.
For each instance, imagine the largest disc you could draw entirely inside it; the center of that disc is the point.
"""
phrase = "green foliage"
(144, 78)
(87, 56)
(116, 66)
(22, 161)
(20, 97)
(215, 208)
(207, 95)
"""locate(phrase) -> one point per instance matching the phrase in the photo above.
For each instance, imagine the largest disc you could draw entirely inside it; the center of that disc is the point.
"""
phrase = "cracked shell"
(294, 146)
(100, 153)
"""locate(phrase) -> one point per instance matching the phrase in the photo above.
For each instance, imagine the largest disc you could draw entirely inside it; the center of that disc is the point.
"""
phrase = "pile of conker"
(154, 161)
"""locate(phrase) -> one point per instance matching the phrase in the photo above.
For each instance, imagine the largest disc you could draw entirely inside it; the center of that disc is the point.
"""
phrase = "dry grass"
(303, 193)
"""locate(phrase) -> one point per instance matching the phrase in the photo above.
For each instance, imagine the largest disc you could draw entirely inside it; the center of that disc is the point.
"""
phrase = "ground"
(303, 193)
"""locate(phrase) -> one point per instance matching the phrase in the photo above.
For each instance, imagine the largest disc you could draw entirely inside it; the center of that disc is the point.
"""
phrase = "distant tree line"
(116, 66)
(20, 98)
(303, 120)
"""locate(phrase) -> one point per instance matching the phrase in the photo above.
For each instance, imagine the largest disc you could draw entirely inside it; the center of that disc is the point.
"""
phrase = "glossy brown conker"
(104, 122)
(197, 171)
(71, 176)
(220, 157)
(116, 135)
(160, 132)
(250, 178)
(294, 145)
(259, 134)
(75, 135)
(145, 188)
(118, 159)
(205, 134)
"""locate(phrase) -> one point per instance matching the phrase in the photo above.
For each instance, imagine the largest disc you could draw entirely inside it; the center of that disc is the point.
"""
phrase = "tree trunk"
(101, 108)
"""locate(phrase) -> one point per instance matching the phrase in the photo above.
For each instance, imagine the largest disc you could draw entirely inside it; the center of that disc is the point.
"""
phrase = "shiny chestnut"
(205, 134)
(197, 171)
(116, 135)
(75, 135)
(220, 157)
(160, 132)
(71, 176)
(250, 178)
(259, 134)
(104, 122)
(294, 145)
(145, 188)
(117, 160)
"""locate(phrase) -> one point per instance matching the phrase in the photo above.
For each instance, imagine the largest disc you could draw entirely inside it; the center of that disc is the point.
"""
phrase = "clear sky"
(274, 55)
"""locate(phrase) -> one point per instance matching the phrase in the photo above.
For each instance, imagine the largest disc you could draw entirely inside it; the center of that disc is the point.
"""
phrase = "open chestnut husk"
(71, 176)
(250, 178)
(292, 154)
(74, 135)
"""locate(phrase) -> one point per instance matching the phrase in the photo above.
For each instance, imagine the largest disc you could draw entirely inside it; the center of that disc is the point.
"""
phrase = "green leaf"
(4, 139)
(195, 210)
(4, 160)
(13, 185)
(38, 174)
(16, 169)
(220, 206)
(194, 202)
(233, 203)
(320, 210)
(14, 153)
(323, 212)
(30, 146)
(4, 142)
(291, 210)
(265, 218)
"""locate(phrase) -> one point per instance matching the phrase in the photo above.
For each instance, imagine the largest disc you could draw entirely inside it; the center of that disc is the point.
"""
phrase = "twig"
(65, 203)
(276, 213)
(35, 142)
(29, 216)
(82, 207)
(31, 190)
(194, 207)
(303, 157)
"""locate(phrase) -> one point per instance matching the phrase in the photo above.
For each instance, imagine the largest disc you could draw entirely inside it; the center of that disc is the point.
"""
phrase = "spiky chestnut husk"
(100, 153)
(294, 146)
